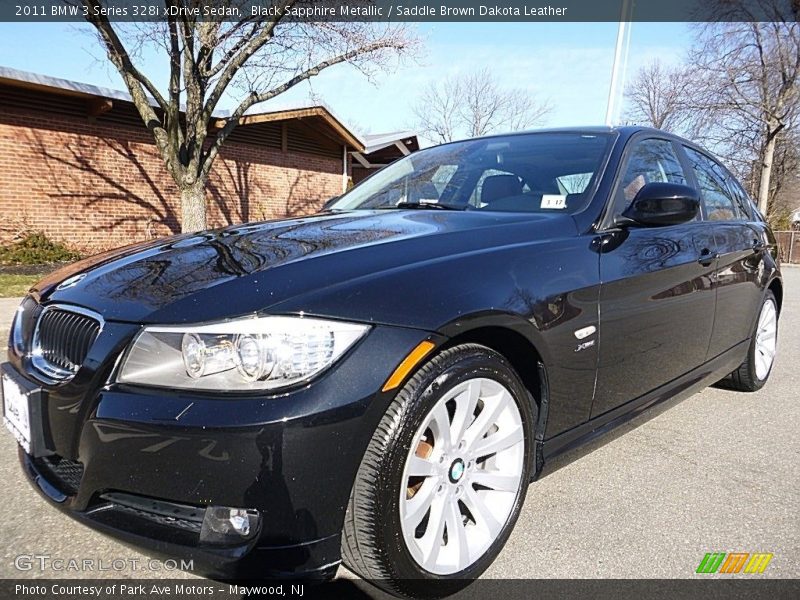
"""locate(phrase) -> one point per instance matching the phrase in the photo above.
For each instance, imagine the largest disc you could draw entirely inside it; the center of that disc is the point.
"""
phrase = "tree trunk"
(766, 174)
(193, 207)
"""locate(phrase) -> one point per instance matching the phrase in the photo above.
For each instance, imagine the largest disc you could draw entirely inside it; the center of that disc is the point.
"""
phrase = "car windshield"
(537, 172)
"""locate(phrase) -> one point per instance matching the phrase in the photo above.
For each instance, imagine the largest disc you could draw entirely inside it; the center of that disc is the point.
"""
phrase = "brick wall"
(96, 185)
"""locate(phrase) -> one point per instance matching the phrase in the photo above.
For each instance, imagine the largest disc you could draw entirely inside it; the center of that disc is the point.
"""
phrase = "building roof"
(301, 112)
(378, 141)
(383, 148)
(277, 112)
(33, 81)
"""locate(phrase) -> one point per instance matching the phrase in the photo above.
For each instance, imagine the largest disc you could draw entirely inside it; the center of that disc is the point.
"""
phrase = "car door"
(656, 297)
(741, 242)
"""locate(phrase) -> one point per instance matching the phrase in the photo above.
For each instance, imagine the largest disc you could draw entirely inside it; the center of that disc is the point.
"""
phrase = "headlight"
(17, 339)
(257, 353)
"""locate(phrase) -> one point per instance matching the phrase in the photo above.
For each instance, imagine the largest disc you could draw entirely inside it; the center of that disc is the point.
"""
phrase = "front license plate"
(16, 412)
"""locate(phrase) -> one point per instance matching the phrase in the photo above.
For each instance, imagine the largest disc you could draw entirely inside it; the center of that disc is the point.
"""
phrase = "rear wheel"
(753, 373)
(444, 477)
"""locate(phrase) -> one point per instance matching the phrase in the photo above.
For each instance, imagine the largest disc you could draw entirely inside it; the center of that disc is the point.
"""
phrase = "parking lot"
(719, 472)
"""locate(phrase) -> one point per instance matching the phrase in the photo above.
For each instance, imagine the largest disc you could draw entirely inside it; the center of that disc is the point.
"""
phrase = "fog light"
(225, 525)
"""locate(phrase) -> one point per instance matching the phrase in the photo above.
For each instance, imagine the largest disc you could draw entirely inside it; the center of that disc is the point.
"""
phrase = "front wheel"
(755, 370)
(444, 477)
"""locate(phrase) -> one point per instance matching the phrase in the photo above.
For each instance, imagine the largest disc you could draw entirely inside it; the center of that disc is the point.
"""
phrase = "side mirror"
(659, 204)
(330, 202)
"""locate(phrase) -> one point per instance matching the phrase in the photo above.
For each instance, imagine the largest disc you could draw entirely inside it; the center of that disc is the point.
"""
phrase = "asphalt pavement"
(719, 472)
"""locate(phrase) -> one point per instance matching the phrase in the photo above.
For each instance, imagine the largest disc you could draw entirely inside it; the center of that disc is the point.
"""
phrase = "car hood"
(248, 268)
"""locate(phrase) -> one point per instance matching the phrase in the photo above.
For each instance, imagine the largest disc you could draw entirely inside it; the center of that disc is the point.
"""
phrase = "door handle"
(707, 257)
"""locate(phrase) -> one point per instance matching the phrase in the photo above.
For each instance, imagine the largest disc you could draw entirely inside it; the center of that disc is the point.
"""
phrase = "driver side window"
(652, 160)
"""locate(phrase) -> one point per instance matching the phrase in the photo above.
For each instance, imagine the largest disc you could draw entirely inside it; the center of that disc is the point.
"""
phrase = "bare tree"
(253, 59)
(437, 110)
(747, 91)
(786, 170)
(657, 96)
(474, 104)
(785, 180)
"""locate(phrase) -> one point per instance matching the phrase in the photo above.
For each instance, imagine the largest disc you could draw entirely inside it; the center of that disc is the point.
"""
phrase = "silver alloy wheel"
(461, 476)
(766, 339)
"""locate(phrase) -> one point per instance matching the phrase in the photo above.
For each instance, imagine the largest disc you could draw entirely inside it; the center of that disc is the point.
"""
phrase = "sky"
(566, 64)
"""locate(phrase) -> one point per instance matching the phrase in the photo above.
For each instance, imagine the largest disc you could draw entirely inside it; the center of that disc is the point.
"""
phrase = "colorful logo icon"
(734, 562)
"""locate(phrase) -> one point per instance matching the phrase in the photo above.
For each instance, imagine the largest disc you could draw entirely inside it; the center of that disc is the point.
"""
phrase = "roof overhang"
(100, 100)
(61, 87)
(311, 112)
(383, 149)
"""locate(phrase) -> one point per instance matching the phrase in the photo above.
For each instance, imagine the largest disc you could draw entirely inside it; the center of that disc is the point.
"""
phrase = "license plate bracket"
(23, 411)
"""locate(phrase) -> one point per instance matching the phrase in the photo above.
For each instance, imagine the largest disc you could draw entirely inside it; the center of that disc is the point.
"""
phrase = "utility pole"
(620, 62)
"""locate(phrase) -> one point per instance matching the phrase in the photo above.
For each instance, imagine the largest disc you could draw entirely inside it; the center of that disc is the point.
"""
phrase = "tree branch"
(253, 45)
(118, 54)
(256, 98)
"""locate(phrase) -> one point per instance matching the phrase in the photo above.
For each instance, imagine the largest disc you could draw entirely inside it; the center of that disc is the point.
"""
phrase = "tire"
(379, 541)
(753, 373)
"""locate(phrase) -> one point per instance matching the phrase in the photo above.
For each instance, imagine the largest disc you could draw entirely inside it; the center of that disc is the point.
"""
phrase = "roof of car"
(592, 129)
(623, 130)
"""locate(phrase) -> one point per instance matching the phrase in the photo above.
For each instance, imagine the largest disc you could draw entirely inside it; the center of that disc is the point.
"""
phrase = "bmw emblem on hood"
(70, 281)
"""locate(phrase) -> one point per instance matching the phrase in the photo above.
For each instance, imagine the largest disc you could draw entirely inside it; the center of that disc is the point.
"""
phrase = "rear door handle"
(707, 257)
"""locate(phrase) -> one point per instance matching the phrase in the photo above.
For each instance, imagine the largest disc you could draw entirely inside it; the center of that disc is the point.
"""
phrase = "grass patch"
(14, 286)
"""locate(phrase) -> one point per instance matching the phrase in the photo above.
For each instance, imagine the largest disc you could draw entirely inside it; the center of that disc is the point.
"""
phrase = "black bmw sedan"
(377, 384)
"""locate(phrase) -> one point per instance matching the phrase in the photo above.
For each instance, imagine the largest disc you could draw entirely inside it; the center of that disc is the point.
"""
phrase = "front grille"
(62, 473)
(62, 340)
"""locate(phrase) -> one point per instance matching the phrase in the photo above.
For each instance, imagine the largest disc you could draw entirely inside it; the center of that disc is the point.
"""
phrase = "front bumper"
(292, 456)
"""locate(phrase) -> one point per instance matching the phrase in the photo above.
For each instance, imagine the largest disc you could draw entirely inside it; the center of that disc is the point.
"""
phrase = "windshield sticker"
(554, 201)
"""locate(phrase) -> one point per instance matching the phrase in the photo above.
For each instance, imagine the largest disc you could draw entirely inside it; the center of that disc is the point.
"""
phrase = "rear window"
(723, 198)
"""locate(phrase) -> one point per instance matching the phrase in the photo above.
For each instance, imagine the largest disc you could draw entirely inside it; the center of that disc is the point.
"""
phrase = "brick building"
(77, 163)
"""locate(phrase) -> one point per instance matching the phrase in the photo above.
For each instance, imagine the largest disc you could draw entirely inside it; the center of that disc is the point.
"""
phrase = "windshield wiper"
(424, 206)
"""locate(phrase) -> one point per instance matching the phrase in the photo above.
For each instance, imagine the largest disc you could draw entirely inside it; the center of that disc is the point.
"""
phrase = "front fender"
(494, 320)
(546, 290)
